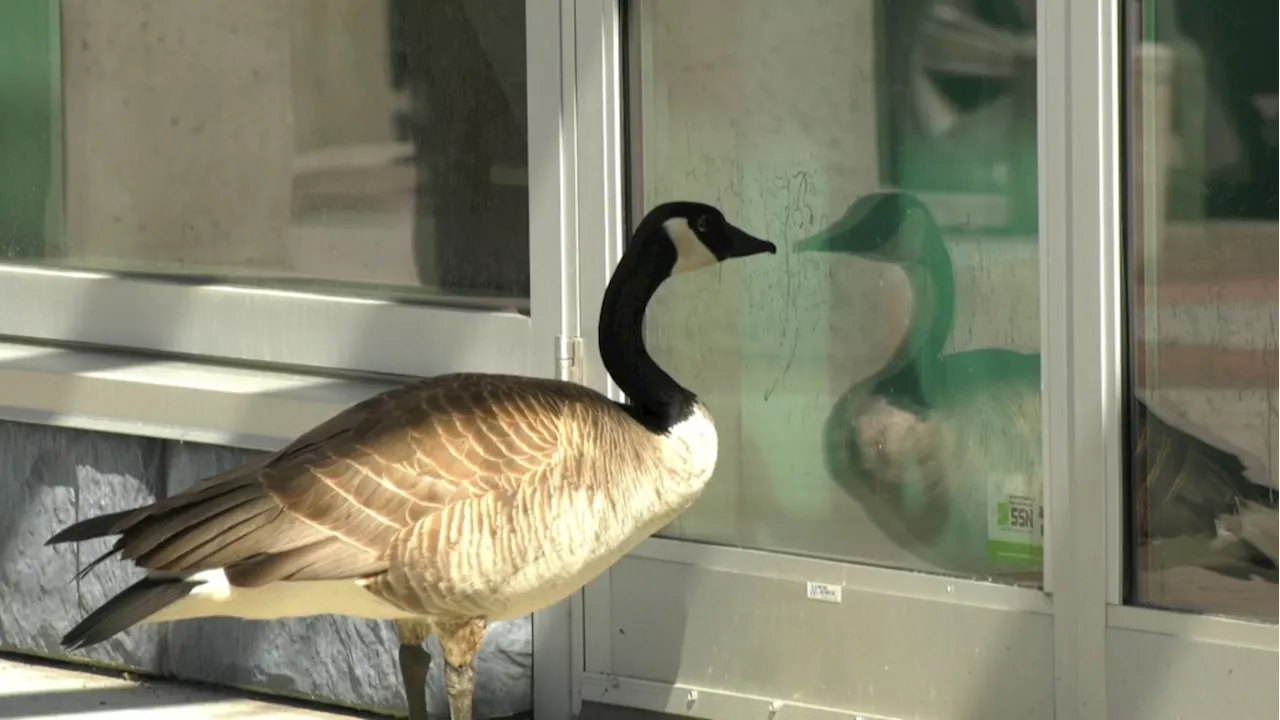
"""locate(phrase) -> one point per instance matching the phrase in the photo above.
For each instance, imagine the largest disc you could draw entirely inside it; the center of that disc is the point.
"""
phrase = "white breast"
(690, 450)
(571, 536)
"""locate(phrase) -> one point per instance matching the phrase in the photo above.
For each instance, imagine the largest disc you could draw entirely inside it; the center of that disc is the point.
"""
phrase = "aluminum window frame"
(285, 328)
(601, 46)
(1079, 197)
(554, 136)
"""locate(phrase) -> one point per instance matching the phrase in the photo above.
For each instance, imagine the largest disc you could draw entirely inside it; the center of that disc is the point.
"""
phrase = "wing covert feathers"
(330, 504)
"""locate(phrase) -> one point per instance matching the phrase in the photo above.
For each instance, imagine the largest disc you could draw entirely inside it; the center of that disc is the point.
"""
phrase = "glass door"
(1192, 621)
(876, 386)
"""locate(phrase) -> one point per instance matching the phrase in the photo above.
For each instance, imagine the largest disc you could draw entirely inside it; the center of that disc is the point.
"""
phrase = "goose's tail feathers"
(138, 602)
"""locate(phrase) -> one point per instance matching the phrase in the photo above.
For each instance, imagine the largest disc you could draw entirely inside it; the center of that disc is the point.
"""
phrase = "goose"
(446, 503)
(926, 435)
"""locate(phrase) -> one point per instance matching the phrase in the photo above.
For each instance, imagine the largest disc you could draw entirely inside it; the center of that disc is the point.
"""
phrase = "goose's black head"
(673, 238)
(890, 226)
(687, 236)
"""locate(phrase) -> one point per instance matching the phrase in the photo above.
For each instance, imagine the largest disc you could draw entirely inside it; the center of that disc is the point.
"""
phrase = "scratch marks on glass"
(797, 214)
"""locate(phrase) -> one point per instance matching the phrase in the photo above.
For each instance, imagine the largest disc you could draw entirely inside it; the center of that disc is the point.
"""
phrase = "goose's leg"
(460, 639)
(414, 664)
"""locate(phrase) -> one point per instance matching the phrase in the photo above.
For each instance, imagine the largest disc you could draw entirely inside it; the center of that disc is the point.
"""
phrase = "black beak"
(868, 224)
(744, 244)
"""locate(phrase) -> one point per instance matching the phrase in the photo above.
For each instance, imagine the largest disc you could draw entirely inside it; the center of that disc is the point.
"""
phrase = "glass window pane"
(364, 146)
(877, 396)
(1201, 123)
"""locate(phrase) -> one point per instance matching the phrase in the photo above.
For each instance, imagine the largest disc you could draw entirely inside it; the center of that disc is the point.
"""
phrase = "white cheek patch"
(691, 254)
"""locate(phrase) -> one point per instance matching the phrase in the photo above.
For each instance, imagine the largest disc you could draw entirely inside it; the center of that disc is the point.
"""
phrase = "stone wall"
(50, 477)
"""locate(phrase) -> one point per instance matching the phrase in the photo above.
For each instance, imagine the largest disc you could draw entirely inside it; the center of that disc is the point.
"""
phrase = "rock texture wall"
(50, 477)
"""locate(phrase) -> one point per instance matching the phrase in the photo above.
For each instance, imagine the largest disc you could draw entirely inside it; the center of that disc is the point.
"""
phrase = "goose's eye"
(703, 223)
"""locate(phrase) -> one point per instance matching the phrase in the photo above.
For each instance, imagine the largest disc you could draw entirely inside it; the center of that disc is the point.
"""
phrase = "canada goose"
(448, 502)
(929, 433)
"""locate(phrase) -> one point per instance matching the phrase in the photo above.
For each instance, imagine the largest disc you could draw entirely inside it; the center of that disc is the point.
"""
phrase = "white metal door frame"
(554, 276)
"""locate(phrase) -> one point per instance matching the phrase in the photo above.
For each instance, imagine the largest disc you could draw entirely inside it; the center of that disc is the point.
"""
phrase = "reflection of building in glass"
(1201, 274)
(960, 100)
(463, 63)
(959, 92)
(1224, 82)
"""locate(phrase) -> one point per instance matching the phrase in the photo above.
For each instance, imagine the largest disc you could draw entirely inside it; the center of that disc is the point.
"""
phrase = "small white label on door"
(822, 592)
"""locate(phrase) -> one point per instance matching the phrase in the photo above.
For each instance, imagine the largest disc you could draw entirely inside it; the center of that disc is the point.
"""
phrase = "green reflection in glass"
(30, 127)
(947, 443)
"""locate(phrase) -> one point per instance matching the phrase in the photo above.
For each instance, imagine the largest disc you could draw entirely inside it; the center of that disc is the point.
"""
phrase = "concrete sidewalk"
(47, 691)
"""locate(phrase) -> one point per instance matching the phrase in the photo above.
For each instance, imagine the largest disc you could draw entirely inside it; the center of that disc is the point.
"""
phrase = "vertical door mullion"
(601, 217)
(1078, 50)
(553, 271)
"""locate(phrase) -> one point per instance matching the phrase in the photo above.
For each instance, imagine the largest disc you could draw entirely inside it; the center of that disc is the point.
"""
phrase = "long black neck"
(919, 356)
(654, 399)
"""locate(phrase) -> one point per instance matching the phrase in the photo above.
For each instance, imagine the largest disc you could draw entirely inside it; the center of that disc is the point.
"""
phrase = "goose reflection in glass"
(933, 443)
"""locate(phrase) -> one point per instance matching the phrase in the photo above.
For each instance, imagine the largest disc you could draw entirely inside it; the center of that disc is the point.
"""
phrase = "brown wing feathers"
(221, 521)
(330, 504)
(334, 502)
(189, 531)
(132, 605)
(1189, 484)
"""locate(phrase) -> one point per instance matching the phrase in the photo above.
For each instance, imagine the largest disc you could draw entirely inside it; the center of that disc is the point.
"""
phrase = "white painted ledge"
(46, 691)
(171, 399)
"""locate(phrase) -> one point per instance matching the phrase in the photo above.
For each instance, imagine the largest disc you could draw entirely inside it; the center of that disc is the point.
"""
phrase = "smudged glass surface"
(1200, 106)
(786, 116)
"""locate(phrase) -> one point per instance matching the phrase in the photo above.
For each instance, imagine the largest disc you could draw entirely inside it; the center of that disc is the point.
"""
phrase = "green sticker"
(1015, 521)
